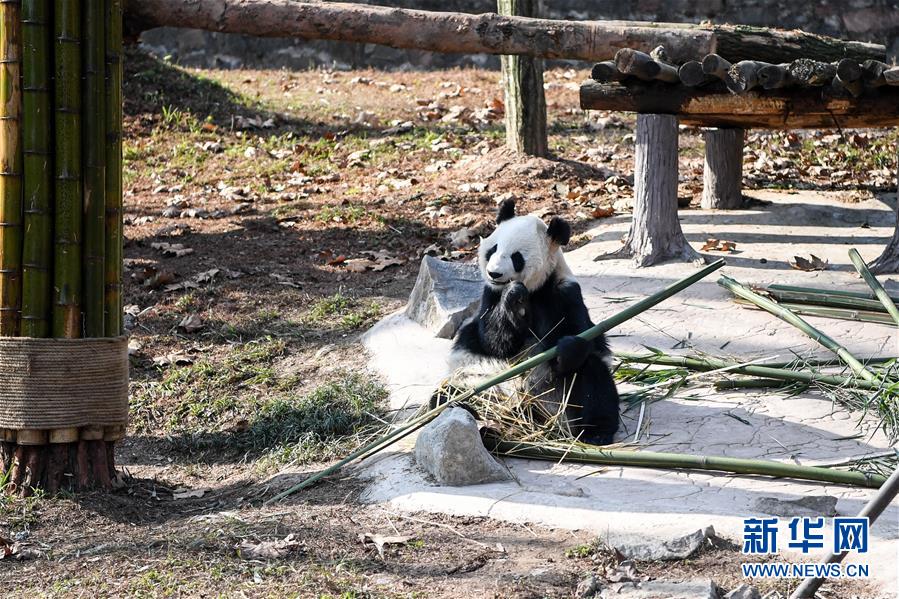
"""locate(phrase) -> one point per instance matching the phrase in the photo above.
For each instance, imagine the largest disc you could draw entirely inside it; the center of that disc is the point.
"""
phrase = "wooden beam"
(489, 33)
(803, 108)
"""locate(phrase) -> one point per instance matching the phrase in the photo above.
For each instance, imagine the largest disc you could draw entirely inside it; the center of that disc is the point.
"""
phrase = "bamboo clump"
(60, 208)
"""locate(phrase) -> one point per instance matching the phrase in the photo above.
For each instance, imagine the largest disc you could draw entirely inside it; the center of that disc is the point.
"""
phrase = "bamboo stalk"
(822, 298)
(874, 284)
(751, 384)
(591, 333)
(10, 168)
(652, 459)
(787, 316)
(770, 371)
(828, 312)
(37, 251)
(68, 192)
(113, 269)
(858, 294)
(93, 145)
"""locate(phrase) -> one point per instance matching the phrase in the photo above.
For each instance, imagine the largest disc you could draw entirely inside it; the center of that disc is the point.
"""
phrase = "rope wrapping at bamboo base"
(63, 383)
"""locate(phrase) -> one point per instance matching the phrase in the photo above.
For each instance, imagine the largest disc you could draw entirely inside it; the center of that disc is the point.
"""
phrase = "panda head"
(522, 248)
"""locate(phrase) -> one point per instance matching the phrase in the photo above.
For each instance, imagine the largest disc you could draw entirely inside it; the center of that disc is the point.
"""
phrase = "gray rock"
(744, 591)
(674, 549)
(658, 589)
(445, 294)
(588, 587)
(813, 506)
(450, 449)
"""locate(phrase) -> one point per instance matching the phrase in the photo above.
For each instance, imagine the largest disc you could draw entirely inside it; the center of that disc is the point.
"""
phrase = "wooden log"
(891, 76)
(64, 435)
(743, 76)
(888, 261)
(775, 76)
(606, 71)
(655, 233)
(487, 33)
(812, 72)
(872, 73)
(716, 66)
(853, 88)
(642, 66)
(691, 74)
(31, 437)
(849, 70)
(525, 114)
(800, 108)
(722, 179)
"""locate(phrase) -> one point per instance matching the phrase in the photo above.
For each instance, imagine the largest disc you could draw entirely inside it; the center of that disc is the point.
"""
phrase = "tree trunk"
(722, 177)
(655, 234)
(487, 33)
(888, 261)
(523, 86)
(803, 108)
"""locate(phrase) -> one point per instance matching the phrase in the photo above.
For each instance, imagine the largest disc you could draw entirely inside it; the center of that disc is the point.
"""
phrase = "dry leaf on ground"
(270, 549)
(718, 245)
(380, 541)
(809, 264)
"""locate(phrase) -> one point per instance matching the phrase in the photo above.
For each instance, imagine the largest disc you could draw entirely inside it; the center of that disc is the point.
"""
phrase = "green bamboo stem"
(93, 145)
(831, 292)
(825, 362)
(828, 312)
(113, 269)
(787, 316)
(520, 368)
(652, 459)
(68, 191)
(831, 300)
(37, 251)
(752, 384)
(771, 372)
(10, 168)
(874, 284)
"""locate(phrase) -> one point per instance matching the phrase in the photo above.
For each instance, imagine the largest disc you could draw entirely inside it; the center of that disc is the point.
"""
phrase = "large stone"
(450, 449)
(659, 549)
(811, 506)
(445, 294)
(744, 591)
(660, 589)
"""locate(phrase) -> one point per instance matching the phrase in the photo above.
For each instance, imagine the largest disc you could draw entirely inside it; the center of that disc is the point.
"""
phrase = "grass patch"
(344, 312)
(243, 405)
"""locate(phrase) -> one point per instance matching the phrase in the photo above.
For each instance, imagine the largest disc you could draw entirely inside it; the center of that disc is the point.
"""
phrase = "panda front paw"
(572, 353)
(515, 299)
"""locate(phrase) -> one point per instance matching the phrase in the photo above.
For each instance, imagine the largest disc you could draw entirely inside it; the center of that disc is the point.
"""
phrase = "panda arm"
(574, 351)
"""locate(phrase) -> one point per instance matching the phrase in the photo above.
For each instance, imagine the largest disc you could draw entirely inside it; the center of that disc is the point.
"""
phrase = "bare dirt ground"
(271, 216)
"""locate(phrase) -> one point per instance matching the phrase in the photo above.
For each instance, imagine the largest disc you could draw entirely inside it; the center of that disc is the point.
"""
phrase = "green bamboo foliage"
(94, 155)
(68, 192)
(10, 167)
(113, 274)
(37, 250)
(875, 285)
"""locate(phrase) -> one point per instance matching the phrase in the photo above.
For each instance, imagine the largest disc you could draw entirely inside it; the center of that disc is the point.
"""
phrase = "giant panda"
(531, 302)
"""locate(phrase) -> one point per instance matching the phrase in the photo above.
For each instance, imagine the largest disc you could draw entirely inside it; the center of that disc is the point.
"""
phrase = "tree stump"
(655, 234)
(722, 177)
(888, 261)
(525, 118)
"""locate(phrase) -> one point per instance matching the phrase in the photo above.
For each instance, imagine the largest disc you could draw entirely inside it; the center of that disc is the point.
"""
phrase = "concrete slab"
(632, 503)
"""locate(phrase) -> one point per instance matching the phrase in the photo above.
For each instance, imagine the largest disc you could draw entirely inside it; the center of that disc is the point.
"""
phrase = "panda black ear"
(506, 211)
(559, 231)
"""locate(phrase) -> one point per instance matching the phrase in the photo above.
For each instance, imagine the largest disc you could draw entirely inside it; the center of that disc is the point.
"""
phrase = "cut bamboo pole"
(829, 312)
(874, 284)
(834, 292)
(68, 192)
(37, 251)
(10, 168)
(651, 459)
(770, 371)
(825, 298)
(787, 316)
(522, 367)
(93, 145)
(113, 252)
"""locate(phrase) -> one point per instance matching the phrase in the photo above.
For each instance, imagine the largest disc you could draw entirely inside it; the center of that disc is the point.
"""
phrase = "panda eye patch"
(490, 252)
(518, 261)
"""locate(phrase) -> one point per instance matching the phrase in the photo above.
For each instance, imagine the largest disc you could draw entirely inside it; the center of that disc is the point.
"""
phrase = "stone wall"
(864, 20)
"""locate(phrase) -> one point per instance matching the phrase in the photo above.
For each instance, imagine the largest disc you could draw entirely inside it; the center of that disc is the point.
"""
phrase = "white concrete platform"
(625, 502)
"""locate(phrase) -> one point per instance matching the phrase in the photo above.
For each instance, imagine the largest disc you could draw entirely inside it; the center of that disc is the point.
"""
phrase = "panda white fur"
(530, 303)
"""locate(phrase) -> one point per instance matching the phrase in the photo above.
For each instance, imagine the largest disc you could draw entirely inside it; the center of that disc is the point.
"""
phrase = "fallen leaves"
(809, 264)
(381, 541)
(18, 551)
(172, 249)
(191, 323)
(376, 261)
(718, 245)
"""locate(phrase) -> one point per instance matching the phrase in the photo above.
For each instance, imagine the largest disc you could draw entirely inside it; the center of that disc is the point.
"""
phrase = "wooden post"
(888, 261)
(655, 234)
(722, 177)
(523, 86)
